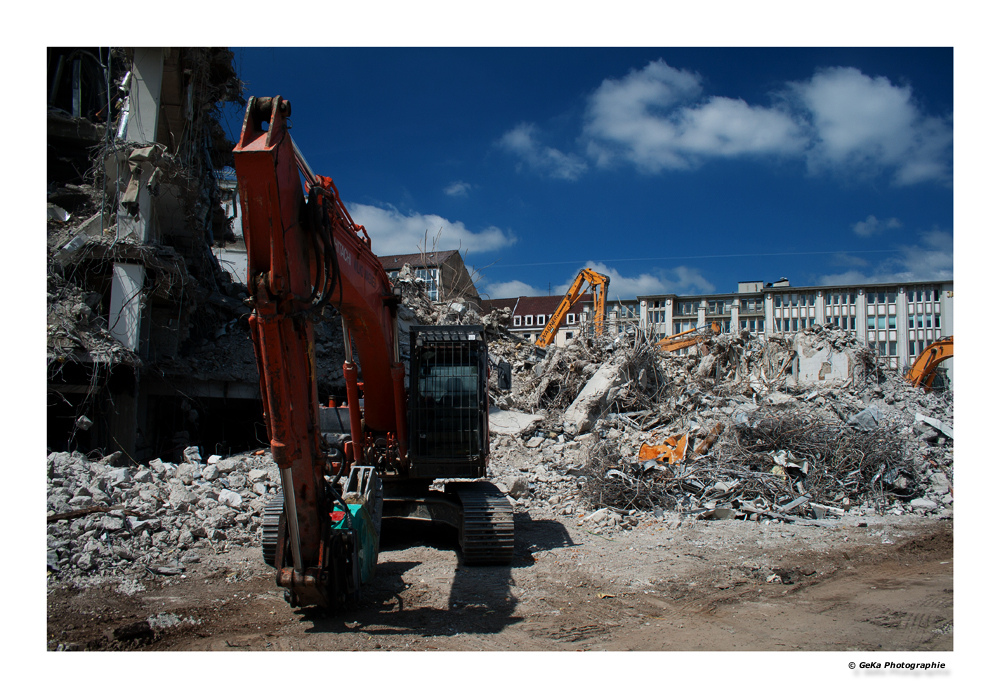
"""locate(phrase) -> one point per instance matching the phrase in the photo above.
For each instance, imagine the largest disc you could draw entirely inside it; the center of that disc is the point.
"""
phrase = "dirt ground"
(870, 583)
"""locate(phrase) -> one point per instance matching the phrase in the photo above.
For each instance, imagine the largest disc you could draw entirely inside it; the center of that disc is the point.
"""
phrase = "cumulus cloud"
(867, 124)
(645, 118)
(680, 280)
(393, 232)
(872, 226)
(840, 121)
(523, 143)
(932, 258)
(513, 289)
(458, 189)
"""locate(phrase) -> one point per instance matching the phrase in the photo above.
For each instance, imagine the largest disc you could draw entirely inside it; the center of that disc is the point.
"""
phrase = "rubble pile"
(109, 519)
(76, 328)
(740, 430)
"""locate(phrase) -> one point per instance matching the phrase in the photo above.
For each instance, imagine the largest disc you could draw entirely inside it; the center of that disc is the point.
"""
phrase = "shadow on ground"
(480, 599)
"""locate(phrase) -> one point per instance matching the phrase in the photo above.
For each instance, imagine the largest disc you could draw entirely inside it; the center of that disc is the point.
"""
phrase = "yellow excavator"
(923, 370)
(688, 338)
(598, 284)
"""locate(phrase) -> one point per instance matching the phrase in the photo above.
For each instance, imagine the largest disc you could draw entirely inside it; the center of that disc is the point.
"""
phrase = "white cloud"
(872, 226)
(932, 258)
(521, 141)
(513, 289)
(393, 232)
(840, 120)
(458, 189)
(643, 118)
(681, 280)
(866, 124)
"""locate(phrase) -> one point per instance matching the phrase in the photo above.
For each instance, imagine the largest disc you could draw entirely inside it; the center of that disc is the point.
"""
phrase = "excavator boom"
(687, 338)
(305, 253)
(922, 373)
(599, 284)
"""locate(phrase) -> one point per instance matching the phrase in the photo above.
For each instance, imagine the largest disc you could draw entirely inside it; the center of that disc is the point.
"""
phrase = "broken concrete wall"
(133, 285)
(820, 362)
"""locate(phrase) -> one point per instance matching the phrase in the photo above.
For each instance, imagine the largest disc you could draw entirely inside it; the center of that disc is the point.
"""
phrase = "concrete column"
(902, 331)
(768, 314)
(141, 128)
(861, 321)
(126, 303)
(948, 326)
(144, 95)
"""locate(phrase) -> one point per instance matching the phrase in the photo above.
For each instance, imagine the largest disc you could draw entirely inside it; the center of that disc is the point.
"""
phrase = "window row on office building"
(897, 320)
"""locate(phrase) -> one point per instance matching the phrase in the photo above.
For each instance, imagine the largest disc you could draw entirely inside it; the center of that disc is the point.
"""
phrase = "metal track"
(487, 532)
(270, 522)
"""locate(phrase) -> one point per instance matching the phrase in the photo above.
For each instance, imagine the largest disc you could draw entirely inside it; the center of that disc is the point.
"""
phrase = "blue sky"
(672, 170)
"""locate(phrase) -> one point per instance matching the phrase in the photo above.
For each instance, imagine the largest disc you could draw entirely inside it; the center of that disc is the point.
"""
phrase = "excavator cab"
(449, 432)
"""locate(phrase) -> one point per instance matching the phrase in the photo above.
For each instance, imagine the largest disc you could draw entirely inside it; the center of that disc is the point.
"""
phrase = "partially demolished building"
(138, 306)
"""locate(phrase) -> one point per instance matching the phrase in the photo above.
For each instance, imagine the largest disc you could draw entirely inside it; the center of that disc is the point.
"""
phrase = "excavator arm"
(922, 373)
(304, 254)
(688, 338)
(598, 283)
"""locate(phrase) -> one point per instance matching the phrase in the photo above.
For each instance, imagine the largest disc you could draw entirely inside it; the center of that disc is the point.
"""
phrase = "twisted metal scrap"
(637, 486)
(862, 466)
(843, 462)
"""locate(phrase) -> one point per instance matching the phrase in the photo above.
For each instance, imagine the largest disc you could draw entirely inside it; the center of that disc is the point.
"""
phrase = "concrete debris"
(937, 424)
(867, 419)
(594, 397)
(510, 421)
(803, 429)
(157, 518)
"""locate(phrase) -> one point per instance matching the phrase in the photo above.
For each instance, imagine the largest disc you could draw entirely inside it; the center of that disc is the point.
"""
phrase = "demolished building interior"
(146, 348)
(149, 358)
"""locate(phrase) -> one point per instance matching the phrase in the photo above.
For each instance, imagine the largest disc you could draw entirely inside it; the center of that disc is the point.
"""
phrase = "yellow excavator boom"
(687, 339)
(923, 370)
(599, 285)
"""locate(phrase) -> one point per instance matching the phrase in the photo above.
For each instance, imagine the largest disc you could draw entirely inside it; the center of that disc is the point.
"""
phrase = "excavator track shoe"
(270, 523)
(487, 532)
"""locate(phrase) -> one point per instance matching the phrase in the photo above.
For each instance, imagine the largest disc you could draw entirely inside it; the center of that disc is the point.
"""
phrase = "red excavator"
(304, 254)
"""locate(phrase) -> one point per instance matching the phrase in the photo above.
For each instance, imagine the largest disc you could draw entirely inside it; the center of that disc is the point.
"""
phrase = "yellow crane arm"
(599, 284)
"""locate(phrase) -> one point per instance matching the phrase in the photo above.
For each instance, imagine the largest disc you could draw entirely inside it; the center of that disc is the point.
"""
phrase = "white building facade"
(896, 320)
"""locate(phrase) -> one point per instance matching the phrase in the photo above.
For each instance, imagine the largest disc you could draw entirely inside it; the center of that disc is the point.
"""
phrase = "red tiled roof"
(535, 305)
